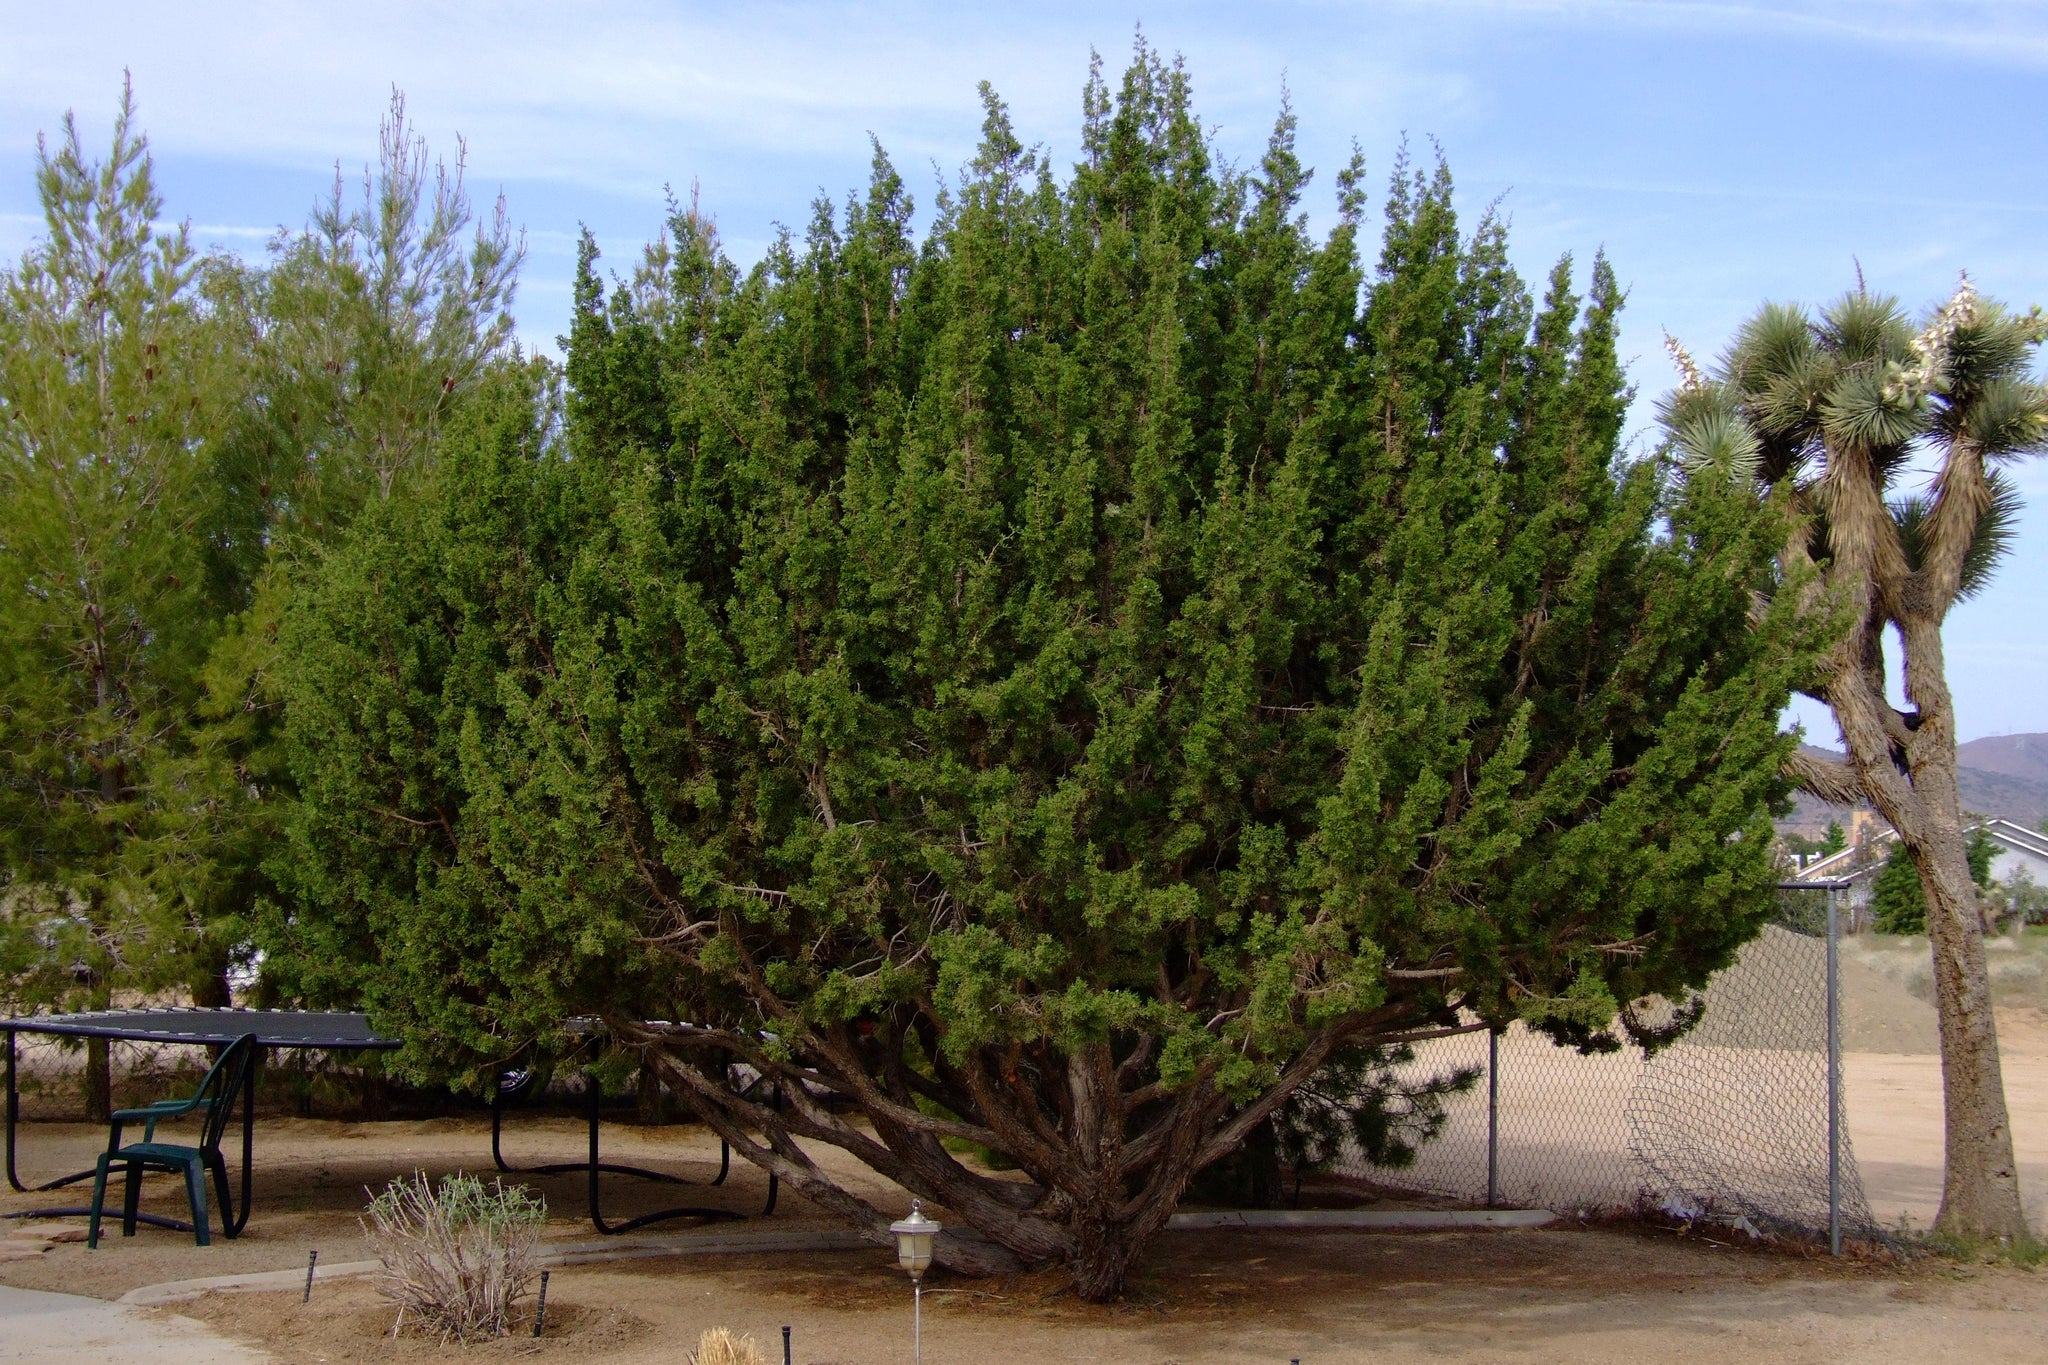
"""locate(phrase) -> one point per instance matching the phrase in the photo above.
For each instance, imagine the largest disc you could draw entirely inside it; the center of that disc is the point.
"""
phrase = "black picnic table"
(313, 1030)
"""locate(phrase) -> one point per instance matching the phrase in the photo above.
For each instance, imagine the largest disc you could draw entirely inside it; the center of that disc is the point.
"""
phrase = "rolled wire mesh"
(1730, 1121)
(51, 1074)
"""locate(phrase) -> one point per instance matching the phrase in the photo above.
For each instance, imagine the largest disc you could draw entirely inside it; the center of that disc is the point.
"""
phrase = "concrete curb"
(827, 1239)
(1412, 1220)
(255, 1282)
(564, 1253)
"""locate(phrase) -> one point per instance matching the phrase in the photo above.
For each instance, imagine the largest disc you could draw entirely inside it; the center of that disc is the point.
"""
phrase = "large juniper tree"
(1828, 416)
(1056, 686)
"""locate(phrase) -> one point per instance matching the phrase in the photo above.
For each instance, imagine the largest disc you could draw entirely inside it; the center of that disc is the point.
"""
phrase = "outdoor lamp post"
(914, 1238)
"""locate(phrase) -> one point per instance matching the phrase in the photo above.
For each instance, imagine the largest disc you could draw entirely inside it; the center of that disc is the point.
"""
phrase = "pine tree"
(181, 432)
(369, 329)
(118, 383)
(1897, 905)
(1059, 687)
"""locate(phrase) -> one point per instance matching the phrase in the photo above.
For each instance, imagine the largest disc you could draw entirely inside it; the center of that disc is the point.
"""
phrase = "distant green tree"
(1835, 840)
(2020, 898)
(1059, 688)
(118, 385)
(1982, 851)
(179, 435)
(1798, 844)
(1896, 903)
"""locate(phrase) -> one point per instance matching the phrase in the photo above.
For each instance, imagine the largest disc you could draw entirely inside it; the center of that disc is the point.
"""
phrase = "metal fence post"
(1492, 1117)
(1834, 1081)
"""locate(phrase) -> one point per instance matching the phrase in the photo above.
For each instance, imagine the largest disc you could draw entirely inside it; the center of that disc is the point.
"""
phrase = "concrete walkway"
(70, 1329)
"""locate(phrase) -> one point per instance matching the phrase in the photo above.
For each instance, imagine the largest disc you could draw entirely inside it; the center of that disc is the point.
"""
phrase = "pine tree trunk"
(99, 1072)
(210, 989)
(99, 1082)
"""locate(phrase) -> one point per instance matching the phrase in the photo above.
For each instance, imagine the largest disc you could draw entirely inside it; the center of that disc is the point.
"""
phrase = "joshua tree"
(1830, 419)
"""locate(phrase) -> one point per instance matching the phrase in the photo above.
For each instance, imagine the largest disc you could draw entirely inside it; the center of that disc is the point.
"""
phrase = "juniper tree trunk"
(648, 1108)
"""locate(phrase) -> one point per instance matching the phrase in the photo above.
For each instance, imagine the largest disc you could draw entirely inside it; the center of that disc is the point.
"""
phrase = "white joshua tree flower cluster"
(1930, 349)
(1689, 377)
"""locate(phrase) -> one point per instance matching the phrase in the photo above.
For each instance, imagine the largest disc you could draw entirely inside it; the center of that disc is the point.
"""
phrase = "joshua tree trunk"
(1906, 766)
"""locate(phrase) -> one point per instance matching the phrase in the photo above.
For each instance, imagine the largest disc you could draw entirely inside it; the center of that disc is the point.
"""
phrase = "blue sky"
(1721, 153)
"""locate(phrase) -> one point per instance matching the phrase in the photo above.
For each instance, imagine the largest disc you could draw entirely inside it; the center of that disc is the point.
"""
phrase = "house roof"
(2016, 837)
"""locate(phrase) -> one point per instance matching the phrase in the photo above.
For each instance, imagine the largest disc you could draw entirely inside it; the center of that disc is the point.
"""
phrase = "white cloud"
(2004, 31)
(609, 95)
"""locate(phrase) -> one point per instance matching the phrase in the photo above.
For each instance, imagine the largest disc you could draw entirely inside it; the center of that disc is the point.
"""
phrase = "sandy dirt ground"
(1895, 1124)
(1569, 1294)
(1573, 1295)
(311, 1183)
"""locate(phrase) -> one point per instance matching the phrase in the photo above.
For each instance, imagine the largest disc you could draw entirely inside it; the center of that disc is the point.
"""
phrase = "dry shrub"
(720, 1347)
(458, 1258)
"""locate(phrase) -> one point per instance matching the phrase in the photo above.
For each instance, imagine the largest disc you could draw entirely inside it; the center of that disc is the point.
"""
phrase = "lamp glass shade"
(914, 1238)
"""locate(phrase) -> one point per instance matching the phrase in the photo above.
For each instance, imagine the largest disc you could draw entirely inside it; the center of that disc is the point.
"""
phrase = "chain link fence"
(1742, 1119)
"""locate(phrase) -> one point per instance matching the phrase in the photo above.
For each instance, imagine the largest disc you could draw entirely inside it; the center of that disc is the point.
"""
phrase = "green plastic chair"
(214, 1099)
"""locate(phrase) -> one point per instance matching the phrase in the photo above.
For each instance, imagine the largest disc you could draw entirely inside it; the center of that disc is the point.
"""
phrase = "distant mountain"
(2021, 756)
(1994, 793)
(2005, 775)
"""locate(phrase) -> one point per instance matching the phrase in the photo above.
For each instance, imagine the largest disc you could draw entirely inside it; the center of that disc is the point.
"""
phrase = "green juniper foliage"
(1054, 686)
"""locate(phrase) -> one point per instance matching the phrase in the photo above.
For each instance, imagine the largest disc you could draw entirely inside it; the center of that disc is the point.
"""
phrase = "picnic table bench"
(321, 1031)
